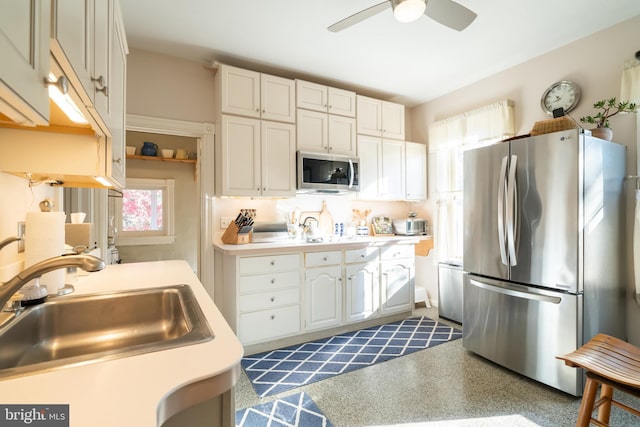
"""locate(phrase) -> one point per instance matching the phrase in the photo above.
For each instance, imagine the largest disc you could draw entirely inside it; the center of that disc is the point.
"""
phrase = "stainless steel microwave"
(327, 173)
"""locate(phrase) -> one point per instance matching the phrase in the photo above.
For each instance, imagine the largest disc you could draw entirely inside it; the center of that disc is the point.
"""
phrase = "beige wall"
(167, 87)
(595, 63)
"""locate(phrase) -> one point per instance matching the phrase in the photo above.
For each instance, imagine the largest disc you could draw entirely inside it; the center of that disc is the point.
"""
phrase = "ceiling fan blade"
(450, 14)
(358, 17)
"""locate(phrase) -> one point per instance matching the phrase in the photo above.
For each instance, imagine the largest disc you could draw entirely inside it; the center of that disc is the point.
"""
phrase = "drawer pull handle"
(273, 299)
(273, 281)
(273, 317)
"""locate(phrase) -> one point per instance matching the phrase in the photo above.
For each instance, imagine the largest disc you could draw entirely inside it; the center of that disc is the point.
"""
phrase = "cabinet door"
(312, 131)
(392, 120)
(102, 88)
(397, 283)
(416, 171)
(240, 156)
(341, 102)
(369, 113)
(362, 292)
(370, 155)
(240, 91)
(116, 100)
(72, 36)
(392, 184)
(277, 98)
(311, 96)
(24, 44)
(323, 297)
(342, 135)
(278, 153)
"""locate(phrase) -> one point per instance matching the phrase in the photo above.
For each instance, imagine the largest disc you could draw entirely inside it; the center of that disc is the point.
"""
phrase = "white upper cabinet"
(416, 171)
(252, 94)
(380, 118)
(313, 96)
(256, 158)
(326, 133)
(81, 36)
(24, 49)
(393, 170)
(370, 168)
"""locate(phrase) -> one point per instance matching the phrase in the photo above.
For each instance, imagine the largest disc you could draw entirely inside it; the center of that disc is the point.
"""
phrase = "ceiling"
(407, 63)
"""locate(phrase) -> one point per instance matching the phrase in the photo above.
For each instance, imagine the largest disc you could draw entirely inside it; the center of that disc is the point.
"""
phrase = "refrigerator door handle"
(512, 210)
(502, 183)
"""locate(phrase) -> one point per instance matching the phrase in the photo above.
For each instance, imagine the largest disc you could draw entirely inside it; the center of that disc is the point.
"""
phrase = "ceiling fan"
(446, 12)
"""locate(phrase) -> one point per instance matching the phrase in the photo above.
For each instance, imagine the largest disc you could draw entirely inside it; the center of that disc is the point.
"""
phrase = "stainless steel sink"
(83, 329)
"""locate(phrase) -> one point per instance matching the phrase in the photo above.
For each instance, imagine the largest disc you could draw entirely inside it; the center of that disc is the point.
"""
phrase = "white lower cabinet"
(323, 289)
(397, 278)
(284, 295)
(268, 297)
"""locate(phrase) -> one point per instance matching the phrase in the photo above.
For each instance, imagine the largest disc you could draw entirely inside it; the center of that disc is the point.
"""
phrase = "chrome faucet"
(85, 262)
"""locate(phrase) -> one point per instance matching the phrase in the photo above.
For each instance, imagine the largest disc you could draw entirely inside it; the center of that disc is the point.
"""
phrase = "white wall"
(595, 63)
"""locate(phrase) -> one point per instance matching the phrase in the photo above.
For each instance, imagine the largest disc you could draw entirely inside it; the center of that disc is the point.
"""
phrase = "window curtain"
(630, 82)
(448, 139)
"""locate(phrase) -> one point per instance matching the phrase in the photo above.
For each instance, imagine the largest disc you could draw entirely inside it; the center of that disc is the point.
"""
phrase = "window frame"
(151, 237)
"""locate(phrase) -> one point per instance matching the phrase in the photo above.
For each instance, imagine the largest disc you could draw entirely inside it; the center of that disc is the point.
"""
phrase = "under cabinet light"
(58, 92)
(102, 180)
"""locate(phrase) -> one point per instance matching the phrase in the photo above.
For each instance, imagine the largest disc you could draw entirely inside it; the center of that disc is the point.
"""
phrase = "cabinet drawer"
(317, 259)
(360, 255)
(266, 300)
(396, 252)
(268, 324)
(264, 264)
(267, 282)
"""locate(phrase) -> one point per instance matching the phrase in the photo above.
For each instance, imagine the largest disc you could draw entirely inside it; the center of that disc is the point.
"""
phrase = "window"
(448, 139)
(145, 213)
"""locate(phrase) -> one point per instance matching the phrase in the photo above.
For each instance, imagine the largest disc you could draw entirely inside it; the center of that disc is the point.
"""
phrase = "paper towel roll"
(44, 238)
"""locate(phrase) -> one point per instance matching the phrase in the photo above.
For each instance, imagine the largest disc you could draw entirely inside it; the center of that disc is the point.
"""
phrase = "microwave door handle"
(351, 173)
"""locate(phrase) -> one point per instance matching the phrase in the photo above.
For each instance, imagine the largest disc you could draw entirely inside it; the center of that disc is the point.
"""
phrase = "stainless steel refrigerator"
(543, 251)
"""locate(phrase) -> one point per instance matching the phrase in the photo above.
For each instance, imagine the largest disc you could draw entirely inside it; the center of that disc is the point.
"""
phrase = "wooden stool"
(612, 364)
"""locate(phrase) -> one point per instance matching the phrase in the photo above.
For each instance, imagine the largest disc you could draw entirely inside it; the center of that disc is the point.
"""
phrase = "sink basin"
(83, 329)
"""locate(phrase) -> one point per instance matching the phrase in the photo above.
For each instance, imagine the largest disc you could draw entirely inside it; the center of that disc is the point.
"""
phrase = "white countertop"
(128, 391)
(302, 246)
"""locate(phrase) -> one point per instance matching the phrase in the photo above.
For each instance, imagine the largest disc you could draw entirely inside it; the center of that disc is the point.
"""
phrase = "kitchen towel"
(44, 238)
(636, 246)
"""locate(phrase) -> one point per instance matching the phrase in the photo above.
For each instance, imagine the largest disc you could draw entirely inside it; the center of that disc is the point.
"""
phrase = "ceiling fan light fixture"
(408, 10)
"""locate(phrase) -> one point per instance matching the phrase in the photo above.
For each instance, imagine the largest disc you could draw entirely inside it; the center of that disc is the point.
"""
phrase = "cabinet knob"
(273, 316)
(118, 160)
(324, 258)
(273, 281)
(264, 111)
(361, 255)
(101, 86)
(257, 110)
(273, 299)
(273, 263)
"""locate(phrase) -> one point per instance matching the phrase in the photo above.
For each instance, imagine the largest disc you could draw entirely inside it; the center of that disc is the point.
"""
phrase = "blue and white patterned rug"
(297, 410)
(280, 370)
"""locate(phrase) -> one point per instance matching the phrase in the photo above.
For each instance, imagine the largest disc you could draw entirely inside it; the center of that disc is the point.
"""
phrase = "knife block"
(232, 236)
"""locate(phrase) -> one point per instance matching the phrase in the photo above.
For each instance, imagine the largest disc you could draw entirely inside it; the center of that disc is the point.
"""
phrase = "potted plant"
(609, 108)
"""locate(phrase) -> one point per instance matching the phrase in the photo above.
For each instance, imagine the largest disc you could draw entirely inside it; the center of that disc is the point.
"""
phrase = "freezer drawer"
(523, 329)
(450, 291)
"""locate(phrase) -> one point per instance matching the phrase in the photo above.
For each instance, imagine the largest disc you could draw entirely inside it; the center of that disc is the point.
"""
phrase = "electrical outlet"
(21, 227)
(225, 221)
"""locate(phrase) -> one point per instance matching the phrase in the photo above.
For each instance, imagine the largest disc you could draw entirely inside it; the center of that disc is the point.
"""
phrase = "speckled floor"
(443, 386)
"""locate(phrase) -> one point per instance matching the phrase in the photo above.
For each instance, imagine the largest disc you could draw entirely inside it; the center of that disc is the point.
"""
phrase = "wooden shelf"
(158, 158)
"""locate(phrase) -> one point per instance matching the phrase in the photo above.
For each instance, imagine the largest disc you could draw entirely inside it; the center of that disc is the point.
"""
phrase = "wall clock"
(563, 94)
